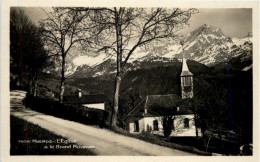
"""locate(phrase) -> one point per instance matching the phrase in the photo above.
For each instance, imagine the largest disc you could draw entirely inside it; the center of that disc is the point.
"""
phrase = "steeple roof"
(185, 70)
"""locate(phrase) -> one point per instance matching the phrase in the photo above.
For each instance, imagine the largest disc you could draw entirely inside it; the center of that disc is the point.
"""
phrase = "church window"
(186, 123)
(136, 126)
(186, 81)
(155, 125)
(187, 88)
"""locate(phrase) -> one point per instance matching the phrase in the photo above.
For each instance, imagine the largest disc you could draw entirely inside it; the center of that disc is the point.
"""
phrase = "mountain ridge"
(206, 44)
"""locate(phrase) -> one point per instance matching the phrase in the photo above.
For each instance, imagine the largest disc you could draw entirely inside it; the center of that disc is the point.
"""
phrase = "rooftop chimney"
(79, 92)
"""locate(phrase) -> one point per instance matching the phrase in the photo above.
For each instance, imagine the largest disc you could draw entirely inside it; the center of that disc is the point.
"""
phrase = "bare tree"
(61, 31)
(124, 30)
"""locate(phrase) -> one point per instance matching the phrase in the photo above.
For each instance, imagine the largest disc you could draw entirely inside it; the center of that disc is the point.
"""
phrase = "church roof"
(158, 105)
(161, 104)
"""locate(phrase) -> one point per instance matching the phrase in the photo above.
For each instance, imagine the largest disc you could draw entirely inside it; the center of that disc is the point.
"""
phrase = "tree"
(128, 29)
(61, 31)
(168, 124)
(28, 57)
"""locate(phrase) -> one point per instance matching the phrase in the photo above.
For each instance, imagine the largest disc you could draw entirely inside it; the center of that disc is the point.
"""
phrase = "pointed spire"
(185, 70)
(184, 64)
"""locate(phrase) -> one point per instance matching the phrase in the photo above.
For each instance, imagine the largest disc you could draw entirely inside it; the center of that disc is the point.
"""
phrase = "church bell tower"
(186, 80)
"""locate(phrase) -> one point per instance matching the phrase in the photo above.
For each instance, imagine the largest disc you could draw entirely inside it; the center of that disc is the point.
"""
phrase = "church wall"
(132, 126)
(180, 130)
(148, 122)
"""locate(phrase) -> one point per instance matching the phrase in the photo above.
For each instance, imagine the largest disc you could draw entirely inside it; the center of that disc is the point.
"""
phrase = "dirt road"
(105, 142)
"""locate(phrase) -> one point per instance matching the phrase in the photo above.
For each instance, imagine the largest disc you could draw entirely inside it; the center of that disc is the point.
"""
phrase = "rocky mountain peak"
(205, 30)
(206, 44)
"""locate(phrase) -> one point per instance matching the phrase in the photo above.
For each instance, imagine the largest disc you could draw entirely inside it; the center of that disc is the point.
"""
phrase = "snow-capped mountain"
(207, 45)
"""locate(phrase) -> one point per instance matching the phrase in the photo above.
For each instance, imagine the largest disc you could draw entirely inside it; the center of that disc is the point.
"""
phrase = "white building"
(92, 101)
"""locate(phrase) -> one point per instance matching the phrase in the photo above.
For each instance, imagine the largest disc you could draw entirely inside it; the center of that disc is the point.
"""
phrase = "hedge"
(72, 112)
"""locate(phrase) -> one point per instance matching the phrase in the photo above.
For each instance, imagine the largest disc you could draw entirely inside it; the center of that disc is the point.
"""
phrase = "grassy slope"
(161, 141)
(21, 128)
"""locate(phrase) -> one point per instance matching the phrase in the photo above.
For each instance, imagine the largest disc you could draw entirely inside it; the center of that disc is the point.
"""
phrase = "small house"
(94, 107)
(92, 101)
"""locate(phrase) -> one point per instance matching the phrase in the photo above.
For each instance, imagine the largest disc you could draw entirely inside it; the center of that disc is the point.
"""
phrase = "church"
(148, 114)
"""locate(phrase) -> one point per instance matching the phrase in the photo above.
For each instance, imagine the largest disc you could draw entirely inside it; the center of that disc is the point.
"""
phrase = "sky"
(233, 22)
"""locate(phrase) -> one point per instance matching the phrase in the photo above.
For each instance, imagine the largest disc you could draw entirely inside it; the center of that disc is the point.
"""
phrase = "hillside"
(222, 92)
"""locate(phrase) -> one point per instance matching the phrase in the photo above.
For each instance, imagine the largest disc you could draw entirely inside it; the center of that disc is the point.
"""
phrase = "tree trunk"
(35, 88)
(119, 68)
(116, 100)
(196, 124)
(62, 83)
(197, 132)
(31, 87)
(168, 125)
(207, 144)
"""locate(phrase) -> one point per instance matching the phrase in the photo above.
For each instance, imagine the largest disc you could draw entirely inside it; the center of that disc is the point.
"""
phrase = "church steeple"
(185, 70)
(186, 80)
